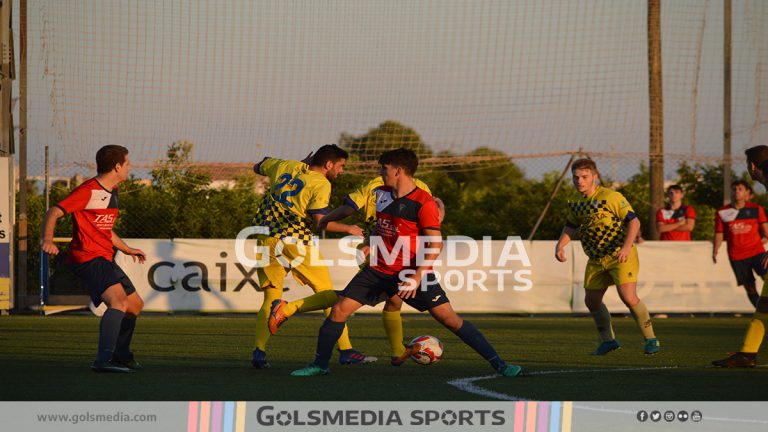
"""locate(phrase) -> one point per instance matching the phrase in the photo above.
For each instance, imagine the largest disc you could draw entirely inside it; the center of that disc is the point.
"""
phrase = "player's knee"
(117, 303)
(338, 314)
(135, 305)
(451, 321)
(629, 300)
(591, 303)
(393, 305)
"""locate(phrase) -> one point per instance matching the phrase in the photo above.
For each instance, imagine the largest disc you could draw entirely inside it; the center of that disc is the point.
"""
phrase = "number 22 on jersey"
(290, 187)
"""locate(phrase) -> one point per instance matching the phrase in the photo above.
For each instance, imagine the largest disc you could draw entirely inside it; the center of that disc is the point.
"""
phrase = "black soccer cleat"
(737, 360)
(109, 367)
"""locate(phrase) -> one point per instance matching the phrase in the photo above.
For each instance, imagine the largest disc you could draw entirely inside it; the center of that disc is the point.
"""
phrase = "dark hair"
(757, 154)
(675, 187)
(109, 156)
(581, 164)
(746, 185)
(329, 152)
(401, 158)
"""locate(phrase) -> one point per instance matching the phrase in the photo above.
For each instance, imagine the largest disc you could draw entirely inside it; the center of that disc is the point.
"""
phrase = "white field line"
(468, 385)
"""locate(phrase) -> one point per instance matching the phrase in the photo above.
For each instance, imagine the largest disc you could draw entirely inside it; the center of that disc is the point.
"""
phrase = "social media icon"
(655, 416)
(696, 416)
(642, 416)
(669, 416)
(682, 416)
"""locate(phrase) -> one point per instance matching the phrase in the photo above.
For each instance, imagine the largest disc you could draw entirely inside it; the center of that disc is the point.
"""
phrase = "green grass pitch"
(207, 358)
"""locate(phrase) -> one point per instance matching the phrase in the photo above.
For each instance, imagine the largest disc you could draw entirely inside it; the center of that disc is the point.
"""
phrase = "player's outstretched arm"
(565, 237)
(124, 248)
(257, 166)
(337, 214)
(49, 224)
(322, 222)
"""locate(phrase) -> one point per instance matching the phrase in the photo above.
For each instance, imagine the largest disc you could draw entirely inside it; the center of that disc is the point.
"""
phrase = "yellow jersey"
(364, 197)
(601, 220)
(295, 193)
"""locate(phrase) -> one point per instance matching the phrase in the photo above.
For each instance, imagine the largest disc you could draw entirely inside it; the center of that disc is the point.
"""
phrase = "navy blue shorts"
(743, 269)
(368, 285)
(99, 274)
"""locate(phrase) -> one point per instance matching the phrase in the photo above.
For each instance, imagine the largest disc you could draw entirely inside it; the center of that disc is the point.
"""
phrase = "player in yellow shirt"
(297, 199)
(607, 226)
(361, 199)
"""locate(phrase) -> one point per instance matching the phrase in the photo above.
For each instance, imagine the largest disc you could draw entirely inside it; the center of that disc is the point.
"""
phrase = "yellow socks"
(262, 332)
(643, 319)
(603, 322)
(755, 333)
(318, 301)
(393, 325)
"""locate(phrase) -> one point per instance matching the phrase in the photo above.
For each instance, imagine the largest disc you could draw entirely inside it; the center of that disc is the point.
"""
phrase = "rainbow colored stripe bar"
(543, 416)
(216, 417)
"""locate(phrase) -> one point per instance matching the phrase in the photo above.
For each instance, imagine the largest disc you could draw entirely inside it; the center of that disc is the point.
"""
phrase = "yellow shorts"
(607, 271)
(295, 259)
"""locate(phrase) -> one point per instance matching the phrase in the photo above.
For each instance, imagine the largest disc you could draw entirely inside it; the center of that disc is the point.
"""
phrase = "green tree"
(388, 135)
(183, 191)
(497, 169)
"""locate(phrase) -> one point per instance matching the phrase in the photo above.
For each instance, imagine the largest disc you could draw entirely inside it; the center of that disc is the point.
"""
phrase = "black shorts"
(99, 274)
(743, 269)
(368, 285)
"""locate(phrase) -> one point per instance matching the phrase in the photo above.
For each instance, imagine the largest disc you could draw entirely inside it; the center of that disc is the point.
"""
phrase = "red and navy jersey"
(94, 212)
(741, 228)
(669, 216)
(399, 222)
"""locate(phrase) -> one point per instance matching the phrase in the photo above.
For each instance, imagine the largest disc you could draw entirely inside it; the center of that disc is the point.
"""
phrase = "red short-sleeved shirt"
(94, 212)
(402, 220)
(741, 228)
(669, 216)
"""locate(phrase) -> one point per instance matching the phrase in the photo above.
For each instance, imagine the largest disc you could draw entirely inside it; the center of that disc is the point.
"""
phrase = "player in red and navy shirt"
(93, 206)
(401, 266)
(742, 224)
(746, 357)
(676, 221)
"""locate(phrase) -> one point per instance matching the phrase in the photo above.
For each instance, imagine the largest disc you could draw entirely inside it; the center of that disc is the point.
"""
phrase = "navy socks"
(109, 329)
(330, 332)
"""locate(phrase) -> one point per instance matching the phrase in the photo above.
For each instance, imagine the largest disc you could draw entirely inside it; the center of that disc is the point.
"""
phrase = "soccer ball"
(428, 350)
